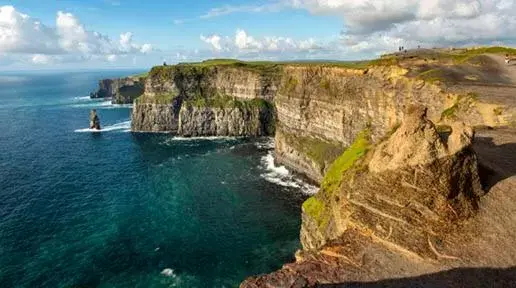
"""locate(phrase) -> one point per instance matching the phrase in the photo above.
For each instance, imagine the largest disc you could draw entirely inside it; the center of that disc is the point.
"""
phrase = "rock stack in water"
(94, 120)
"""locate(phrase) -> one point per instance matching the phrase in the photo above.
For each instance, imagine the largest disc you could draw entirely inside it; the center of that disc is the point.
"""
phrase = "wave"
(193, 139)
(268, 143)
(83, 98)
(93, 103)
(124, 126)
(280, 175)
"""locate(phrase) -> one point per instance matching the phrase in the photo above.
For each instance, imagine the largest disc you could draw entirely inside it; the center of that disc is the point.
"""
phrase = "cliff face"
(122, 91)
(209, 101)
(229, 121)
(149, 117)
(383, 209)
(320, 109)
(242, 83)
(330, 106)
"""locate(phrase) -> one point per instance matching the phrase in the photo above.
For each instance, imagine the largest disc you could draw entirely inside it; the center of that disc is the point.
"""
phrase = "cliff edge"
(408, 206)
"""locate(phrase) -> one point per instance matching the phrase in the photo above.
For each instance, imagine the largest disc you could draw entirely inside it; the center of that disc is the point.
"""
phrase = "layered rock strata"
(121, 91)
(398, 204)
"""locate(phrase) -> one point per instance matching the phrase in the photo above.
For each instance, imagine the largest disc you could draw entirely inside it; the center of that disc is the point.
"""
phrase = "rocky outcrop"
(239, 81)
(332, 105)
(239, 118)
(94, 120)
(151, 117)
(402, 202)
(229, 121)
(208, 101)
(121, 91)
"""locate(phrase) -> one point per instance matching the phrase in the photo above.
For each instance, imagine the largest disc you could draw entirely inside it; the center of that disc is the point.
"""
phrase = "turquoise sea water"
(117, 209)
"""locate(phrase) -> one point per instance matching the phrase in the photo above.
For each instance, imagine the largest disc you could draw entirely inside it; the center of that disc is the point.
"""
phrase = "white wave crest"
(266, 143)
(280, 175)
(124, 126)
(168, 272)
(93, 103)
(117, 106)
(83, 98)
(188, 139)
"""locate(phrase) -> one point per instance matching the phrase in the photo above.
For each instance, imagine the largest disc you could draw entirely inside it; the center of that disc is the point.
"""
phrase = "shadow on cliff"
(463, 277)
(496, 162)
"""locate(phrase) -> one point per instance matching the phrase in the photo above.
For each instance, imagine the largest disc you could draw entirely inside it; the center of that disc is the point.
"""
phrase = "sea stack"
(94, 120)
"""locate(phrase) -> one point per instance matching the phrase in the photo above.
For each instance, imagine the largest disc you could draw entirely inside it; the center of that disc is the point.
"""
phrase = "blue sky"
(138, 34)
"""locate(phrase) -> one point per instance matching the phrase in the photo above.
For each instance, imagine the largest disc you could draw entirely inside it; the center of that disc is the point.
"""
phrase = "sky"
(103, 34)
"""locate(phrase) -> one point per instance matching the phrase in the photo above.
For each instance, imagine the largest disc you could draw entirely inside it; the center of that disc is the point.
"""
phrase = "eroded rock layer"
(121, 91)
(399, 203)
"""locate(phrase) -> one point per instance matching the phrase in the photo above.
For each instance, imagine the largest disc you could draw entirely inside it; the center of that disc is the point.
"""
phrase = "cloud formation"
(24, 35)
(432, 22)
(243, 43)
(377, 26)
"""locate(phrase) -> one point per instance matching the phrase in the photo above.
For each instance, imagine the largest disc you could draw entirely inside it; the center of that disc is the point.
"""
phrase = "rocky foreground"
(411, 212)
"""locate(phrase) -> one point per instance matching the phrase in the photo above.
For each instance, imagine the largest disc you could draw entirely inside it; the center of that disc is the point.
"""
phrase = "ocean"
(122, 209)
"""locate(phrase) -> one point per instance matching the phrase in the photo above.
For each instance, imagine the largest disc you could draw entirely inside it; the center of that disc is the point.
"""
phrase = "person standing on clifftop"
(507, 59)
(94, 120)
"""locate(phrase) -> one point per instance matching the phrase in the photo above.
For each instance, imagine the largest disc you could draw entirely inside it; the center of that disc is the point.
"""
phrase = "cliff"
(402, 207)
(207, 99)
(396, 199)
(320, 108)
(121, 91)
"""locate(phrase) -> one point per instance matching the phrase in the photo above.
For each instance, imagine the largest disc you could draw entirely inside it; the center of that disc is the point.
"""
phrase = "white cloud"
(375, 26)
(245, 43)
(146, 48)
(40, 59)
(111, 58)
(214, 41)
(430, 22)
(22, 34)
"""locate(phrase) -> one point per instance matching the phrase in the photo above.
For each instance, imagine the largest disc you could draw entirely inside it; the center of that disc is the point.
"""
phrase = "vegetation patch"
(319, 151)
(432, 76)
(463, 56)
(141, 75)
(162, 73)
(315, 209)
(463, 103)
(384, 61)
(357, 150)
(450, 113)
(165, 98)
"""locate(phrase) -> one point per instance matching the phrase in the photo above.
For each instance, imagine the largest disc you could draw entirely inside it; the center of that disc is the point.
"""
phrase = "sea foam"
(280, 175)
(124, 126)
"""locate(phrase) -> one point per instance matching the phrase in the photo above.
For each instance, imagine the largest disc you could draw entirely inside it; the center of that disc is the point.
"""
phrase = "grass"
(319, 151)
(264, 68)
(314, 206)
(166, 98)
(141, 75)
(462, 102)
(462, 56)
(333, 177)
(432, 76)
(450, 112)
